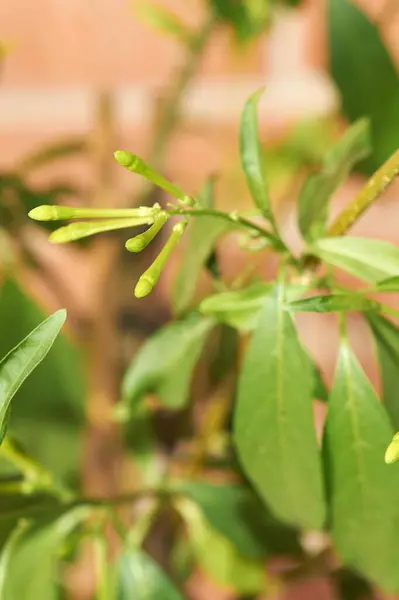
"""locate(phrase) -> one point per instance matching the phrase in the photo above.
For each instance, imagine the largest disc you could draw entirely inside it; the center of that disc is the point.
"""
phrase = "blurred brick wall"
(65, 51)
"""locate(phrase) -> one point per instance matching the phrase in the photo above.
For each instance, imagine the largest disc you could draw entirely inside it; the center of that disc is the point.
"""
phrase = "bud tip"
(123, 158)
(45, 212)
(143, 288)
(135, 244)
(392, 453)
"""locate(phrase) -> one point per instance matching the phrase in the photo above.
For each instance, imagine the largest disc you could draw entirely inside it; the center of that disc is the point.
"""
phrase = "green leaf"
(52, 152)
(371, 260)
(386, 336)
(319, 388)
(251, 155)
(164, 21)
(202, 236)
(391, 284)
(52, 395)
(217, 556)
(247, 18)
(364, 491)
(29, 560)
(273, 425)
(165, 362)
(19, 363)
(239, 309)
(319, 187)
(365, 76)
(333, 303)
(237, 514)
(139, 577)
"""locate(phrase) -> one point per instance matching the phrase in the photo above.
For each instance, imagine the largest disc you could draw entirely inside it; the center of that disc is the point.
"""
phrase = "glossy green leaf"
(391, 284)
(371, 260)
(164, 21)
(273, 424)
(217, 556)
(19, 363)
(54, 392)
(139, 577)
(251, 155)
(202, 235)
(239, 309)
(238, 514)
(165, 363)
(333, 303)
(366, 77)
(386, 336)
(28, 564)
(318, 189)
(364, 491)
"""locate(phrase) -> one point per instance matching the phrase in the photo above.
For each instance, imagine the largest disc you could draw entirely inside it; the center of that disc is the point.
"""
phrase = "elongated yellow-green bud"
(150, 277)
(141, 241)
(48, 212)
(135, 164)
(77, 231)
(392, 452)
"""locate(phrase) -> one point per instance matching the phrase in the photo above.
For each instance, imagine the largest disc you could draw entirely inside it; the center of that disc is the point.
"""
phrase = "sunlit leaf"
(251, 155)
(19, 363)
(238, 514)
(139, 577)
(217, 556)
(273, 424)
(29, 560)
(319, 187)
(371, 260)
(165, 363)
(163, 21)
(391, 284)
(333, 303)
(364, 491)
(240, 308)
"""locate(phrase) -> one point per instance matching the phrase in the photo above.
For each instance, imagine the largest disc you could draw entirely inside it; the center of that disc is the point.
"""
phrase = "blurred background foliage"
(65, 421)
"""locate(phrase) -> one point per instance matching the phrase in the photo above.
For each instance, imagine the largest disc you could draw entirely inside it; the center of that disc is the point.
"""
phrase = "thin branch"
(373, 189)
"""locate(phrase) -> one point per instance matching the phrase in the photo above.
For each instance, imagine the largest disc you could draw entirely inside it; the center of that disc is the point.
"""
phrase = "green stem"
(373, 189)
(232, 218)
(36, 476)
(102, 568)
(172, 105)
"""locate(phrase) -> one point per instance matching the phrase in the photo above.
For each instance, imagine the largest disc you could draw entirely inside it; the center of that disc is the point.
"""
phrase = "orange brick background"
(64, 52)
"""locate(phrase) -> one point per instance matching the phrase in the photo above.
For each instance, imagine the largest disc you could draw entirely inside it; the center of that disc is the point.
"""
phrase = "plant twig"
(172, 104)
(373, 189)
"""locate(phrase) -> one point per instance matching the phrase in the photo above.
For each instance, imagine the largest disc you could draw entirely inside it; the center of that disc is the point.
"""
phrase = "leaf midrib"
(361, 474)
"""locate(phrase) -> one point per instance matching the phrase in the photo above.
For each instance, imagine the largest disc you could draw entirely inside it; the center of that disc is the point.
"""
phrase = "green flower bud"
(392, 452)
(135, 164)
(141, 241)
(77, 231)
(149, 278)
(48, 212)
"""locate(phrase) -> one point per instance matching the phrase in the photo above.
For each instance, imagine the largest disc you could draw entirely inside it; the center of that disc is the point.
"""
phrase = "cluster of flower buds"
(90, 221)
